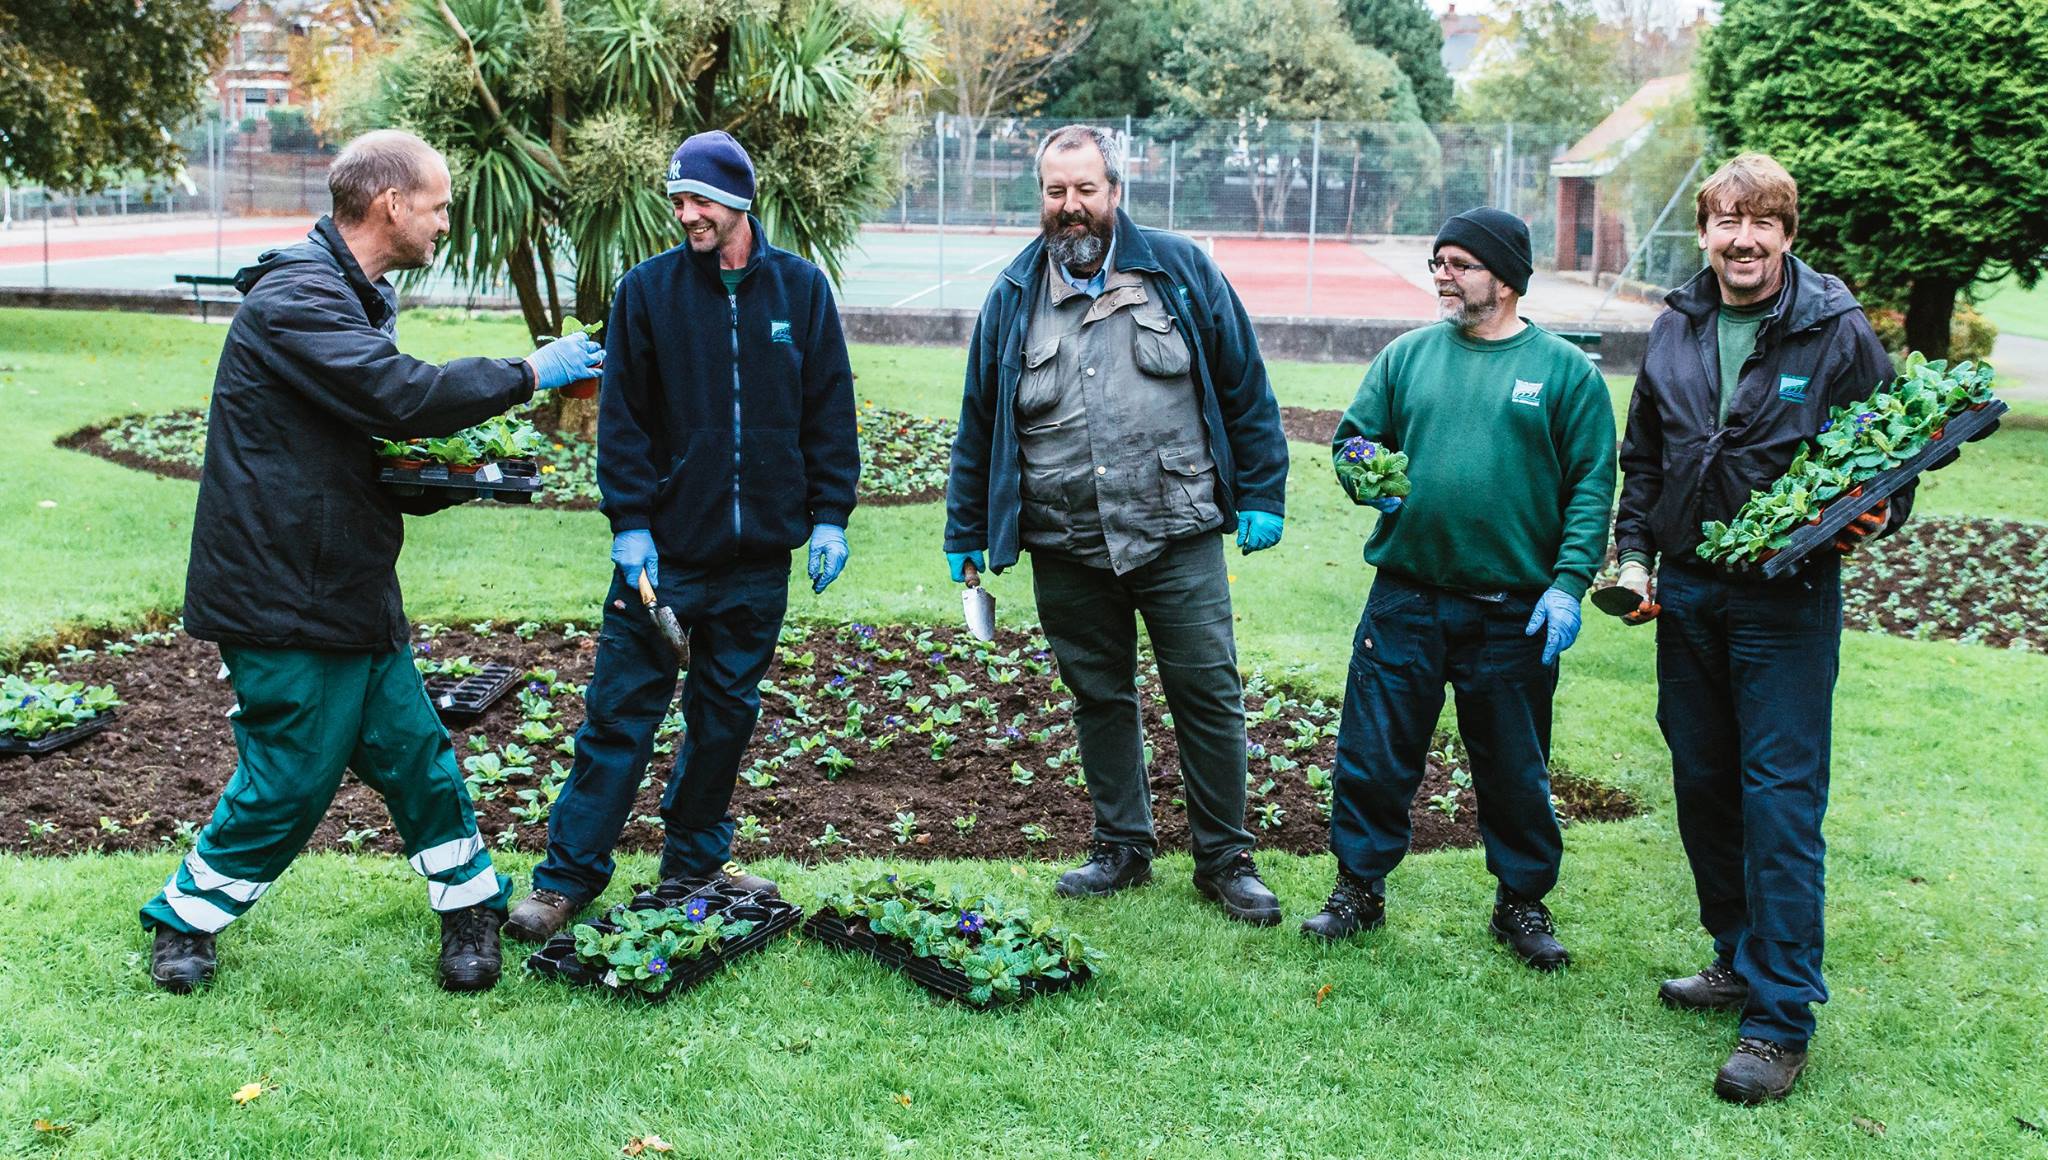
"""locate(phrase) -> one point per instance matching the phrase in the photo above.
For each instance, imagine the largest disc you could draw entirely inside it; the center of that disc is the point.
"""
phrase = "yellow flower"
(547, 469)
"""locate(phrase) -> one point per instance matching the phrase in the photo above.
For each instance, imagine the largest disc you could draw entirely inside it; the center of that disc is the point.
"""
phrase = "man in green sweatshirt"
(1510, 443)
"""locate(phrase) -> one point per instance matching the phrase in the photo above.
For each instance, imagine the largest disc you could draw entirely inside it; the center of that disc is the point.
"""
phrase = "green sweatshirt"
(1511, 453)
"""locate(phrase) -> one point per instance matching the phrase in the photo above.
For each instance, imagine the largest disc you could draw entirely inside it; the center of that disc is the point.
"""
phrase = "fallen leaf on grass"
(53, 1129)
(647, 1143)
(250, 1091)
(1870, 1127)
(1323, 992)
(903, 1098)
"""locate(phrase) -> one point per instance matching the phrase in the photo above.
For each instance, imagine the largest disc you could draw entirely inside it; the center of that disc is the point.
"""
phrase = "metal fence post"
(1172, 176)
(1315, 188)
(1507, 200)
(939, 135)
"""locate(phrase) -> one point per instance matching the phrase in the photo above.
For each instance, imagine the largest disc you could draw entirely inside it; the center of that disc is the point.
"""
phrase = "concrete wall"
(1340, 340)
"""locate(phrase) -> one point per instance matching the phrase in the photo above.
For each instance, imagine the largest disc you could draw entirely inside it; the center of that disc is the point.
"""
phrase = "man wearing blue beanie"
(725, 438)
(1510, 443)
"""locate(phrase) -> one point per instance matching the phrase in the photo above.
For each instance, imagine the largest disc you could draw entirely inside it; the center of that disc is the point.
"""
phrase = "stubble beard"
(1470, 314)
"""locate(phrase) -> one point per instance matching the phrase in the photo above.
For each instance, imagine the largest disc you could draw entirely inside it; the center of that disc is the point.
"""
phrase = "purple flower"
(1013, 733)
(1255, 750)
(696, 909)
(423, 647)
(28, 700)
(1357, 449)
(656, 966)
(970, 923)
(536, 687)
(1825, 426)
(839, 682)
(892, 721)
(889, 878)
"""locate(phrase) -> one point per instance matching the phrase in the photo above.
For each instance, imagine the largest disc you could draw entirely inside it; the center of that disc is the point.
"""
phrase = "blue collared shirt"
(1092, 286)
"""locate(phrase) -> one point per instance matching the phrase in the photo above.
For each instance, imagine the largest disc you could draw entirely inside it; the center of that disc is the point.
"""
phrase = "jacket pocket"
(1157, 347)
(678, 471)
(774, 512)
(1188, 486)
(1038, 388)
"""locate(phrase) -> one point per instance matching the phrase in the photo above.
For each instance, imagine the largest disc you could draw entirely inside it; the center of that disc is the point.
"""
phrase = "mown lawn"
(1202, 1038)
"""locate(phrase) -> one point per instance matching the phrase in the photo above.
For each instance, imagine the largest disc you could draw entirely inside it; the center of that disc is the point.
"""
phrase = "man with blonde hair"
(1740, 373)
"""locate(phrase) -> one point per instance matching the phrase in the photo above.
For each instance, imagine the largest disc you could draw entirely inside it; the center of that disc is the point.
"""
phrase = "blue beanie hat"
(713, 165)
(1499, 240)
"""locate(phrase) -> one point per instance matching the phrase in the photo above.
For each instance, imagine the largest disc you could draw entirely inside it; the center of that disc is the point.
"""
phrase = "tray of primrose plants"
(963, 947)
(666, 940)
(39, 715)
(492, 460)
(1864, 454)
(461, 689)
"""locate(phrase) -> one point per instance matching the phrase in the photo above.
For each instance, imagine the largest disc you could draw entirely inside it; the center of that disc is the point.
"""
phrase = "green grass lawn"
(2016, 310)
(1201, 1039)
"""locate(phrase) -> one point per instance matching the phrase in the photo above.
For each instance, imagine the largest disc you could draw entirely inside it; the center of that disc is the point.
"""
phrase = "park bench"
(1585, 340)
(198, 282)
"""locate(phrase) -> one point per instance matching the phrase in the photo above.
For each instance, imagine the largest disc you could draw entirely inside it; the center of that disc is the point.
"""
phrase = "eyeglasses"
(1458, 269)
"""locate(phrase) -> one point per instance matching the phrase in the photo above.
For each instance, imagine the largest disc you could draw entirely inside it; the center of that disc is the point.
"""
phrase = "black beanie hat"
(1499, 240)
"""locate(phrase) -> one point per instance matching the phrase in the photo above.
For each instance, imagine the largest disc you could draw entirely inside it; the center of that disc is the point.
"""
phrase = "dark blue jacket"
(1238, 408)
(725, 424)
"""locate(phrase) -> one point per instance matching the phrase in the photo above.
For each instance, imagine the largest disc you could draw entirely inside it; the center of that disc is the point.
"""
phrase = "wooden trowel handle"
(646, 590)
(973, 576)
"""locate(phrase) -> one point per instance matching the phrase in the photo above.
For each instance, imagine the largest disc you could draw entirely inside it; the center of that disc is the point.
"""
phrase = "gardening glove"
(1386, 505)
(958, 561)
(1257, 531)
(1863, 527)
(564, 361)
(1557, 614)
(828, 555)
(1635, 576)
(633, 552)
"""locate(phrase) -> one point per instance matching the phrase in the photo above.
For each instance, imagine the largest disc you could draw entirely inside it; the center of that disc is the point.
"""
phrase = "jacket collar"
(1808, 297)
(376, 303)
(1133, 252)
(756, 254)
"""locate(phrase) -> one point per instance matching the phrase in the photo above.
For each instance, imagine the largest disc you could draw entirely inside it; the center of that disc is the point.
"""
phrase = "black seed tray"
(772, 917)
(464, 699)
(519, 480)
(1843, 510)
(12, 746)
(926, 972)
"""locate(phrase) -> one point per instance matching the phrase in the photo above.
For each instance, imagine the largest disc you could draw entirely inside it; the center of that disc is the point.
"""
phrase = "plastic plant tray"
(926, 972)
(772, 918)
(12, 746)
(504, 480)
(466, 698)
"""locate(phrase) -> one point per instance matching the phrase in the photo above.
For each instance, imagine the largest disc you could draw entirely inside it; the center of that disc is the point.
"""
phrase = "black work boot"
(1111, 866)
(1759, 1071)
(1237, 889)
(470, 954)
(181, 961)
(1524, 924)
(542, 914)
(1717, 988)
(1352, 908)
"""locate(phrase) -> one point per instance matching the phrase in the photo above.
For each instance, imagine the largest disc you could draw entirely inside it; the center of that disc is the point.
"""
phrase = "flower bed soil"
(1943, 578)
(1309, 425)
(163, 761)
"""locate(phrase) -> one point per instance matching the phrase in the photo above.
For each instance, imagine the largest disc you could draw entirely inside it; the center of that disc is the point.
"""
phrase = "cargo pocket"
(1157, 347)
(1038, 390)
(1383, 639)
(1188, 484)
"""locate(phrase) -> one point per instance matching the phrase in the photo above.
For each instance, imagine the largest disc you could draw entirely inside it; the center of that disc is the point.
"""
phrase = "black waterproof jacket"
(295, 545)
(1679, 467)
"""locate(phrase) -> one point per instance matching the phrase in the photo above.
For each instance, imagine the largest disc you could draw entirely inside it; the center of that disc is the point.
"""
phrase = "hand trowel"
(979, 605)
(665, 619)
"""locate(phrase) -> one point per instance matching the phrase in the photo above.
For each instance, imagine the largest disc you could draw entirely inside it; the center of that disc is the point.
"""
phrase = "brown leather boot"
(542, 914)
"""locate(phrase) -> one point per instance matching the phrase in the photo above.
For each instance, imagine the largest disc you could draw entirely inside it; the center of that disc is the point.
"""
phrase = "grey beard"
(1085, 250)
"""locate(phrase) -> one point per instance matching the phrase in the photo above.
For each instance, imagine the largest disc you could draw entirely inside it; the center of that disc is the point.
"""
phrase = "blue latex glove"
(1557, 614)
(828, 555)
(1386, 505)
(1257, 531)
(633, 551)
(958, 561)
(566, 360)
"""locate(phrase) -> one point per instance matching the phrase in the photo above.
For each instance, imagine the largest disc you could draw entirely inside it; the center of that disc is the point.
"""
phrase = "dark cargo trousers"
(1412, 639)
(1745, 695)
(1090, 619)
(303, 718)
(732, 616)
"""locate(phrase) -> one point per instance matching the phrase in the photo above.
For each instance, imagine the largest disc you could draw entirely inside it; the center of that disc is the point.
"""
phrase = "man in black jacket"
(1740, 372)
(293, 565)
(726, 438)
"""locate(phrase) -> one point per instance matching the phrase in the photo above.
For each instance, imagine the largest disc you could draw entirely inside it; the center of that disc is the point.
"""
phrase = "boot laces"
(1763, 1049)
(1716, 975)
(550, 898)
(1350, 897)
(1240, 866)
(1108, 855)
(1530, 917)
(470, 930)
(185, 943)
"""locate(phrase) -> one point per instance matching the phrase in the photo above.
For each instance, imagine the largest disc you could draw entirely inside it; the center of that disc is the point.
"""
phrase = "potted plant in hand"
(581, 388)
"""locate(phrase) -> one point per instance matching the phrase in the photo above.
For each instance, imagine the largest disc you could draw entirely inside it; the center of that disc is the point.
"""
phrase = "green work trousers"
(303, 718)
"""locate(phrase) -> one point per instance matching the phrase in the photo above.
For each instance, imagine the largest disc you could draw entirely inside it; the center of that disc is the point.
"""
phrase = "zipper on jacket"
(732, 299)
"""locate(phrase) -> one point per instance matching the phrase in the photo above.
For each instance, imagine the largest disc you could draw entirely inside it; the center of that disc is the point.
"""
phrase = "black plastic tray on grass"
(12, 746)
(464, 699)
(926, 972)
(771, 915)
(1844, 509)
(504, 480)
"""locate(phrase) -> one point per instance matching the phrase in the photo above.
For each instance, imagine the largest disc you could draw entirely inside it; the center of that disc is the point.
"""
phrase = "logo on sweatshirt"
(779, 332)
(1528, 394)
(1792, 388)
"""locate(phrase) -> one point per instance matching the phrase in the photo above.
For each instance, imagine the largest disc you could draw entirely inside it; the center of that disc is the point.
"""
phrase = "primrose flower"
(839, 682)
(970, 923)
(1357, 449)
(28, 700)
(425, 646)
(1255, 750)
(889, 878)
(892, 721)
(1013, 733)
(536, 687)
(1824, 427)
(657, 966)
(696, 909)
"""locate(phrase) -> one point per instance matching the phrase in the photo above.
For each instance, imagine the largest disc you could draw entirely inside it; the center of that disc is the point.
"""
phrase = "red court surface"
(1273, 277)
(24, 244)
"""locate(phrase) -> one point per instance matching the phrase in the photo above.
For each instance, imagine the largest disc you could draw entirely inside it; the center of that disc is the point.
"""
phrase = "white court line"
(948, 282)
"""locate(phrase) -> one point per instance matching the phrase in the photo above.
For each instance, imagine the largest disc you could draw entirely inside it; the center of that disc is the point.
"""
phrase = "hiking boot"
(1111, 866)
(181, 961)
(1237, 889)
(470, 954)
(542, 914)
(1759, 1071)
(1717, 988)
(1524, 924)
(1352, 908)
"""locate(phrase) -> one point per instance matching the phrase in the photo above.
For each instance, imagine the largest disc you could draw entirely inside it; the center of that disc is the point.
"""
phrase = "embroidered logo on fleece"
(1792, 388)
(1528, 394)
(779, 332)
